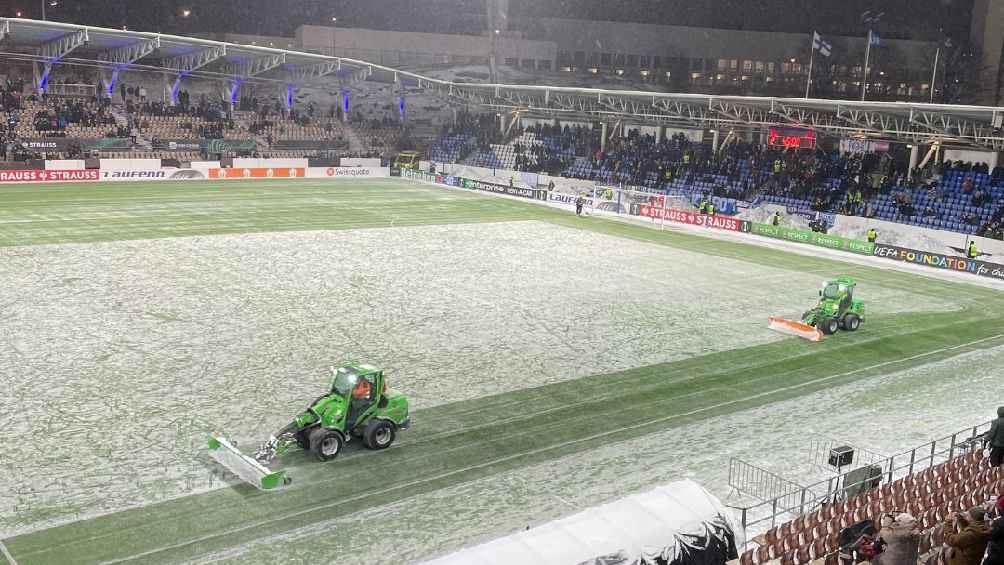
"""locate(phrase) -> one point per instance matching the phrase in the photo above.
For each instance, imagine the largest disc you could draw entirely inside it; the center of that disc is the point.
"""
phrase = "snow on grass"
(887, 414)
(121, 356)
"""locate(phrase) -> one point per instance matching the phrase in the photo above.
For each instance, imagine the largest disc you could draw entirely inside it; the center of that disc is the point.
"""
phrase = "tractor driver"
(362, 395)
(362, 389)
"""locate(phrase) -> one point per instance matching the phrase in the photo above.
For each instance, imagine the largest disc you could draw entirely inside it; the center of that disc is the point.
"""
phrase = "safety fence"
(787, 503)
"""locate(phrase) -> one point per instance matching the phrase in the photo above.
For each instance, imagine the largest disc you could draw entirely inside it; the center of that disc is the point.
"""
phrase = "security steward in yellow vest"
(776, 220)
(872, 235)
(711, 208)
(703, 208)
(973, 252)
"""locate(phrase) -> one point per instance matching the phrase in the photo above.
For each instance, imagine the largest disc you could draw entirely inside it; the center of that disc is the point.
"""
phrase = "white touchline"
(3, 549)
(541, 450)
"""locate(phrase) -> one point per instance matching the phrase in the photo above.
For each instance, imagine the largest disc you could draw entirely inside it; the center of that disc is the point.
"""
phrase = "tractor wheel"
(829, 326)
(326, 444)
(379, 434)
(852, 322)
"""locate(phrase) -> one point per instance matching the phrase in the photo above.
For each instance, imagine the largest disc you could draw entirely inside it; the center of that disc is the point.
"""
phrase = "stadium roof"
(54, 43)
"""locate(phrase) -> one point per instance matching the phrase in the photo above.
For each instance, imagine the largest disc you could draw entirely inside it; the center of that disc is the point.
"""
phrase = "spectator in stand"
(995, 549)
(967, 185)
(980, 197)
(970, 541)
(995, 439)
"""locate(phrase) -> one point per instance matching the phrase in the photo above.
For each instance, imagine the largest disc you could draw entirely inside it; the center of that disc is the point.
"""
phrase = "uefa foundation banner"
(237, 173)
(940, 261)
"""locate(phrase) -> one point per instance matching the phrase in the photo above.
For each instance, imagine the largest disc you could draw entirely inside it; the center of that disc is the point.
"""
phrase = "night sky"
(919, 19)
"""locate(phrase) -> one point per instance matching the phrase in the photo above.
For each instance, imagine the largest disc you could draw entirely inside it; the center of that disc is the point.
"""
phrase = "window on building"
(619, 59)
(564, 58)
(697, 64)
(748, 66)
(544, 64)
(770, 68)
(759, 66)
(593, 59)
(528, 64)
(657, 62)
(606, 59)
(723, 64)
(511, 62)
(734, 64)
(645, 62)
(632, 61)
(580, 58)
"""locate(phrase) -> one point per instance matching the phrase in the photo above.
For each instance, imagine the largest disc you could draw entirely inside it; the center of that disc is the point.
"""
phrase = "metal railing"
(810, 497)
(757, 482)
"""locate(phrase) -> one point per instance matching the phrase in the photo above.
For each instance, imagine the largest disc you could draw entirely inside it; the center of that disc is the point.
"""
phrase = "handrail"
(959, 442)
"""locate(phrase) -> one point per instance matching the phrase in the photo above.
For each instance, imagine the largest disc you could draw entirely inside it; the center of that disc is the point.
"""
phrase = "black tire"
(379, 434)
(828, 325)
(326, 444)
(852, 322)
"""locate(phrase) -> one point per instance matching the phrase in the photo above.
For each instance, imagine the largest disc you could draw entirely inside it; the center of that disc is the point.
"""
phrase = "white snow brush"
(797, 329)
(245, 466)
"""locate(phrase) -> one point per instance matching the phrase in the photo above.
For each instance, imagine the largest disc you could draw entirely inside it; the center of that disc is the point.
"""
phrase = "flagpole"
(864, 81)
(934, 73)
(808, 80)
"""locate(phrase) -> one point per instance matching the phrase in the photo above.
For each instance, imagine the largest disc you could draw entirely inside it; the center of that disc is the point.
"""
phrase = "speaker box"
(841, 456)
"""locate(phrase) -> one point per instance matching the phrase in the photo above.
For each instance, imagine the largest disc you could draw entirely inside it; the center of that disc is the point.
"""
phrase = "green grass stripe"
(552, 421)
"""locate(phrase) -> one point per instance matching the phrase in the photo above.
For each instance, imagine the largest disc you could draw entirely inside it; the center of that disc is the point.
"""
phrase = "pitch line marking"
(3, 549)
(538, 451)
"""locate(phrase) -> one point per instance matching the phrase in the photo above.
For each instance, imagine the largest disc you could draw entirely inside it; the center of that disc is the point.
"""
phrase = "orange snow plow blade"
(797, 329)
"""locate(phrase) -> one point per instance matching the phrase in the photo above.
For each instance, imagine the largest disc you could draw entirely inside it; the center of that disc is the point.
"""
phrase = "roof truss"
(255, 66)
(195, 60)
(129, 54)
(58, 48)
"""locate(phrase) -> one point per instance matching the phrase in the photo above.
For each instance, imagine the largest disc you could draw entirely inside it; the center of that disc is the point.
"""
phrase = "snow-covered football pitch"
(552, 363)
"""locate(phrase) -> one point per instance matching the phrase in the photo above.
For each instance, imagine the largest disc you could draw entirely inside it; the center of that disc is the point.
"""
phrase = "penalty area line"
(6, 554)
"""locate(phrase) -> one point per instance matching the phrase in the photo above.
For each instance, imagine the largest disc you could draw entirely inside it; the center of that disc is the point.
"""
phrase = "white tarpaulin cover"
(678, 523)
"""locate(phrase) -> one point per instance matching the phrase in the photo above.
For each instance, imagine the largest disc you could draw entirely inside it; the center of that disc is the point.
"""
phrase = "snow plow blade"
(245, 467)
(797, 329)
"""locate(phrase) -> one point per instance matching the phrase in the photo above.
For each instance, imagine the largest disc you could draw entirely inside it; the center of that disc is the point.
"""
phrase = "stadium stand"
(959, 197)
(931, 496)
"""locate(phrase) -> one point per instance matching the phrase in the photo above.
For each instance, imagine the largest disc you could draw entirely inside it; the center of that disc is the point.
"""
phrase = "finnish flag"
(819, 45)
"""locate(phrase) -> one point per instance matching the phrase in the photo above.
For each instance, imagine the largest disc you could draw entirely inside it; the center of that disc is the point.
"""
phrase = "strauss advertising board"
(33, 175)
(727, 223)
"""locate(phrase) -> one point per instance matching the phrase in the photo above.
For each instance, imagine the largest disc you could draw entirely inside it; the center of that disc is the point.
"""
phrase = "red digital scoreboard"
(791, 138)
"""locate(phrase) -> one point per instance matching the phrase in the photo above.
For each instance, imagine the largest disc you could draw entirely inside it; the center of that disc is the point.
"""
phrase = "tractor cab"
(838, 289)
(357, 382)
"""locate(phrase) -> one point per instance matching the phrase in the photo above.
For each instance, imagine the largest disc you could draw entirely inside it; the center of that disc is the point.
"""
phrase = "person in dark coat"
(995, 549)
(995, 439)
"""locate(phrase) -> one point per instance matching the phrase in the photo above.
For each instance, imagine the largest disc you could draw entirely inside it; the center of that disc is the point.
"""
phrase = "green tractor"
(358, 405)
(837, 310)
